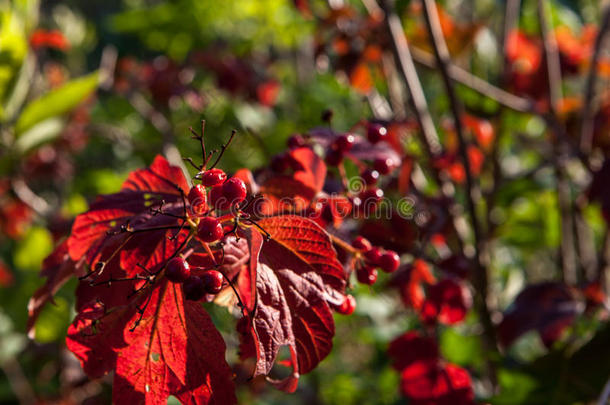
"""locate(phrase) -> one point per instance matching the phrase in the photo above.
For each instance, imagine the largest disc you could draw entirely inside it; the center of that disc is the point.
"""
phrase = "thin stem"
(588, 113)
(223, 148)
(480, 281)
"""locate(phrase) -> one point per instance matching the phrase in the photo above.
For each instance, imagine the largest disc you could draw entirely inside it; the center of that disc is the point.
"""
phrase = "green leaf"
(33, 248)
(56, 102)
(460, 349)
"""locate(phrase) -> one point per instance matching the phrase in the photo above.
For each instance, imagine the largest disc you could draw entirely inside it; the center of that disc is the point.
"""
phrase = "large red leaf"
(298, 274)
(174, 350)
(159, 187)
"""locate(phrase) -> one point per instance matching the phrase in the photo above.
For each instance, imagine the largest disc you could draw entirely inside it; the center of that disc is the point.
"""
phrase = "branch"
(586, 131)
(480, 277)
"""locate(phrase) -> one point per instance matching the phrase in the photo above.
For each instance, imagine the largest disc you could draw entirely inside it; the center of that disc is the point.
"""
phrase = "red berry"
(361, 243)
(366, 275)
(212, 281)
(373, 256)
(193, 288)
(383, 166)
(369, 199)
(210, 230)
(370, 177)
(198, 199)
(389, 261)
(334, 157)
(234, 190)
(295, 141)
(348, 305)
(345, 142)
(213, 177)
(177, 270)
(376, 132)
(217, 198)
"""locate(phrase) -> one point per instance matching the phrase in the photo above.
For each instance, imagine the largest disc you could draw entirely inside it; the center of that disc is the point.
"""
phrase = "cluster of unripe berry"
(223, 194)
(373, 257)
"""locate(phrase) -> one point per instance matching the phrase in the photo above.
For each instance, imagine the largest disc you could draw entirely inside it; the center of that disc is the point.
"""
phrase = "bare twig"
(567, 249)
(480, 280)
(31, 199)
(588, 112)
(603, 398)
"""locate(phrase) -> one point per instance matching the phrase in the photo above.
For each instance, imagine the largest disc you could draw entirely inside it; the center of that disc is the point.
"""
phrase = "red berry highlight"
(345, 142)
(383, 166)
(212, 281)
(376, 132)
(212, 177)
(373, 256)
(348, 305)
(234, 191)
(362, 243)
(177, 270)
(389, 261)
(198, 199)
(367, 275)
(370, 177)
(209, 230)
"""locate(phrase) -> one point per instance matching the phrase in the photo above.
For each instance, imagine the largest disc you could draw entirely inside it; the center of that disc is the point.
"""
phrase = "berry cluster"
(195, 287)
(373, 257)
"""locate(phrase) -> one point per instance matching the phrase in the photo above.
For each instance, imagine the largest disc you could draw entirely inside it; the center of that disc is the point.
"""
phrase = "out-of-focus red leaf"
(446, 302)
(6, 277)
(58, 268)
(548, 308)
(267, 92)
(409, 348)
(174, 350)
(409, 279)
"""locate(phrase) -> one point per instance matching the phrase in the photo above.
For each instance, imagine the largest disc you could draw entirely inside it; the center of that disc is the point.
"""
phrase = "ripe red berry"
(234, 190)
(369, 199)
(193, 288)
(295, 141)
(348, 305)
(383, 166)
(334, 157)
(210, 230)
(177, 270)
(213, 177)
(389, 261)
(376, 132)
(370, 177)
(212, 281)
(217, 198)
(361, 243)
(198, 199)
(345, 142)
(366, 275)
(373, 256)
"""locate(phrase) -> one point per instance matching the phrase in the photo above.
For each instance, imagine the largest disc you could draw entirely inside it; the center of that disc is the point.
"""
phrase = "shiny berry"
(383, 166)
(370, 177)
(362, 244)
(217, 198)
(373, 256)
(376, 132)
(213, 177)
(198, 199)
(334, 157)
(389, 261)
(295, 141)
(193, 288)
(366, 275)
(177, 270)
(234, 190)
(212, 281)
(209, 230)
(345, 142)
(348, 305)
(370, 197)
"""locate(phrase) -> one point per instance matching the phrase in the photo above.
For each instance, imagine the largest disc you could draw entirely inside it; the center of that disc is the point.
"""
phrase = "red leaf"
(433, 383)
(6, 277)
(58, 268)
(51, 39)
(411, 347)
(297, 276)
(446, 302)
(175, 350)
(547, 307)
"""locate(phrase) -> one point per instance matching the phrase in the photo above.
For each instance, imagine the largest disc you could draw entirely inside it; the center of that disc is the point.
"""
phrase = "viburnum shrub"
(387, 203)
